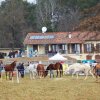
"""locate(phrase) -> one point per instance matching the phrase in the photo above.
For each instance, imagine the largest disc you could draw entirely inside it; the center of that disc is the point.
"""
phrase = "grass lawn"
(64, 88)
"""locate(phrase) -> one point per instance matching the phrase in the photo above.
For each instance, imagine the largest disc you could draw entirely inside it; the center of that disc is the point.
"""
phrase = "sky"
(1, 1)
(31, 1)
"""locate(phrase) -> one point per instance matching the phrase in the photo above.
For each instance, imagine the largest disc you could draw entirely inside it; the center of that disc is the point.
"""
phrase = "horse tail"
(94, 70)
(61, 68)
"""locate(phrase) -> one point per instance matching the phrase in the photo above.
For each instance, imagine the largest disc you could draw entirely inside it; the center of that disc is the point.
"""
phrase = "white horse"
(77, 68)
(32, 68)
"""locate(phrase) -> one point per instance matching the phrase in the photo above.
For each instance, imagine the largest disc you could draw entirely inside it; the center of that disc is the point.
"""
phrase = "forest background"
(19, 17)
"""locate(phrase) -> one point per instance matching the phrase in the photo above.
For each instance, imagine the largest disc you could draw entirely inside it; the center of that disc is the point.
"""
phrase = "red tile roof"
(60, 37)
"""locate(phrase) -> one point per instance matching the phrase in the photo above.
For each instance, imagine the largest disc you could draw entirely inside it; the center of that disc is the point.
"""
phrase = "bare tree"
(68, 18)
(52, 14)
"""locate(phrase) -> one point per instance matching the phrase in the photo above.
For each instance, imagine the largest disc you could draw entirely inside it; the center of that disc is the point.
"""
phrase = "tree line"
(18, 17)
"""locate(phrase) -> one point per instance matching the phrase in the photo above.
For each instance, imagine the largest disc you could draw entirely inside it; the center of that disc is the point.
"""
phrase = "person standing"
(1, 67)
(20, 68)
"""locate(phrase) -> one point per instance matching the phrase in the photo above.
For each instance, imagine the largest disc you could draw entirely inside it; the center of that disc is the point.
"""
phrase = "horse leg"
(33, 74)
(50, 73)
(1, 76)
(91, 73)
(86, 74)
(30, 75)
(57, 73)
(73, 74)
(53, 73)
(96, 74)
(61, 73)
(9, 76)
(77, 74)
(12, 77)
(6, 75)
(96, 78)
(42, 74)
(38, 73)
(18, 74)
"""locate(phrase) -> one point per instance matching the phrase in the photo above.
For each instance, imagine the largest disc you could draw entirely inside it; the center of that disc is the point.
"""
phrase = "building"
(70, 43)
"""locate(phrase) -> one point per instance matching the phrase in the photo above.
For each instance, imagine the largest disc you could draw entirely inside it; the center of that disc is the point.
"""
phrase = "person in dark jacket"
(20, 68)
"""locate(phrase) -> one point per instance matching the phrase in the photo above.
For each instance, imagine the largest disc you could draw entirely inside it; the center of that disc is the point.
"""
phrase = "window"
(88, 48)
(76, 48)
(98, 47)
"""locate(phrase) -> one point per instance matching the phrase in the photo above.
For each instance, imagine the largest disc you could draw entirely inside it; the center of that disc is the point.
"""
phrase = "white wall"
(41, 49)
(28, 49)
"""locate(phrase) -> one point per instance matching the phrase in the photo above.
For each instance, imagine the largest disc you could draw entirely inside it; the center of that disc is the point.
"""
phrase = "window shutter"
(92, 48)
(85, 48)
(98, 47)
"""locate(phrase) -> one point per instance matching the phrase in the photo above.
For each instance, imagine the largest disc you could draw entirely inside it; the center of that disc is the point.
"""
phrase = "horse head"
(45, 73)
(13, 64)
(48, 68)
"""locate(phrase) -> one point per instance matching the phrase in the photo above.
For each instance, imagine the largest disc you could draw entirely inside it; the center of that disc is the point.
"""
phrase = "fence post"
(17, 77)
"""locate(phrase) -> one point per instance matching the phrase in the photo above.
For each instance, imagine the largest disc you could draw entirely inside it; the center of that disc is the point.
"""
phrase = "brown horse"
(41, 70)
(10, 68)
(58, 67)
(96, 71)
